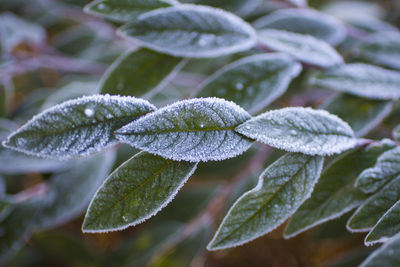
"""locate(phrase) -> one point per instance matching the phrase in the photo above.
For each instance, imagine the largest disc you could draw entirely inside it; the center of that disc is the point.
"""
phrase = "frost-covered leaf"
(304, 48)
(136, 191)
(297, 129)
(304, 21)
(387, 226)
(199, 129)
(125, 10)
(362, 80)
(334, 194)
(71, 190)
(382, 48)
(396, 133)
(139, 72)
(77, 127)
(281, 189)
(387, 167)
(386, 255)
(252, 82)
(69, 91)
(185, 251)
(14, 30)
(182, 31)
(368, 214)
(361, 114)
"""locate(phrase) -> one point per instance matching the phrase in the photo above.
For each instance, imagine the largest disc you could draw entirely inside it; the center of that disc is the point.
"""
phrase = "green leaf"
(139, 73)
(368, 214)
(386, 255)
(71, 190)
(124, 10)
(304, 21)
(199, 129)
(281, 189)
(182, 31)
(135, 191)
(77, 127)
(297, 129)
(361, 80)
(361, 114)
(252, 82)
(386, 168)
(334, 194)
(387, 226)
(396, 133)
(382, 48)
(304, 48)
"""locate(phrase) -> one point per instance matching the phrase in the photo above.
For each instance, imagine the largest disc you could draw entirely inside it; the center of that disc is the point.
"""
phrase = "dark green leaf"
(252, 82)
(281, 189)
(181, 31)
(334, 194)
(297, 129)
(386, 168)
(361, 114)
(139, 73)
(304, 48)
(386, 255)
(199, 129)
(135, 191)
(77, 127)
(368, 214)
(387, 226)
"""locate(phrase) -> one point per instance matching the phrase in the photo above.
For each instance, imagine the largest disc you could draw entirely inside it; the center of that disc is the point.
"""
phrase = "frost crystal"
(199, 129)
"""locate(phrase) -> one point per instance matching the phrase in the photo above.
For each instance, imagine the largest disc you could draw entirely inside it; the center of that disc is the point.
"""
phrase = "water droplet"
(89, 112)
(101, 6)
(293, 132)
(239, 86)
(124, 218)
(201, 125)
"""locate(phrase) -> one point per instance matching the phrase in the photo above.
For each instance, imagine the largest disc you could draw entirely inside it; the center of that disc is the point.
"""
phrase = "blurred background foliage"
(50, 52)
